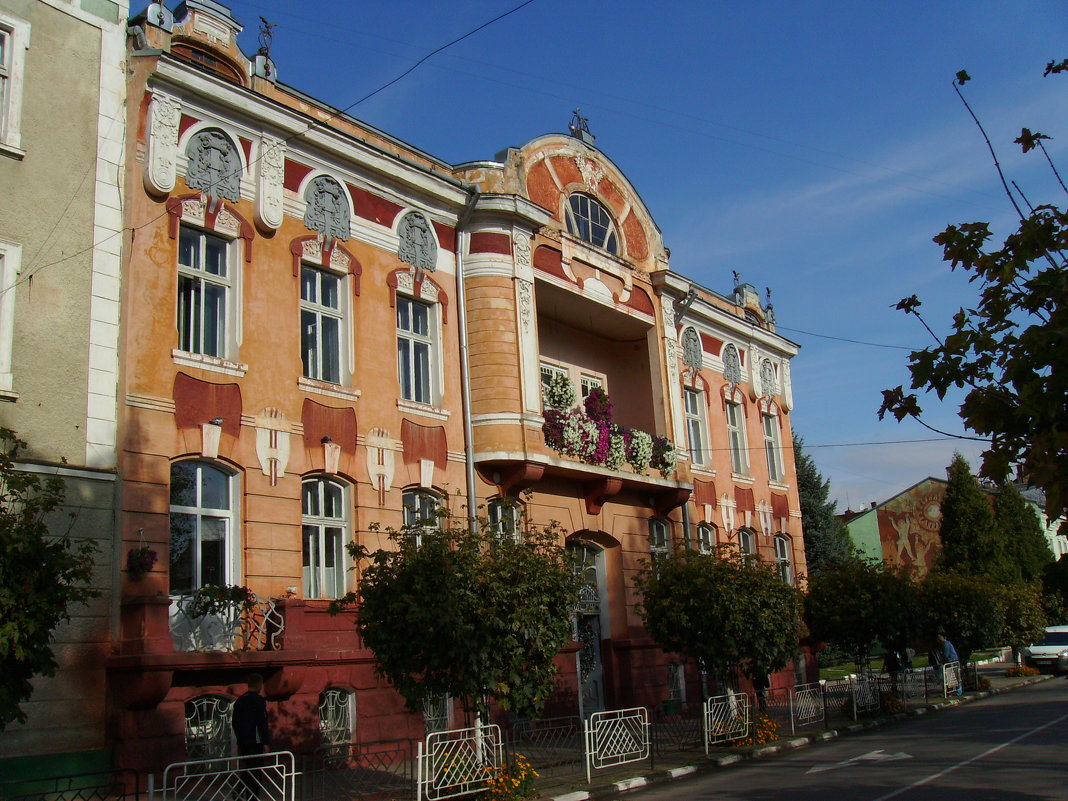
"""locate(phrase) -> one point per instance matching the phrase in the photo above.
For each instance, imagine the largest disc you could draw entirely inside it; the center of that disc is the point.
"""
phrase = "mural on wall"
(909, 525)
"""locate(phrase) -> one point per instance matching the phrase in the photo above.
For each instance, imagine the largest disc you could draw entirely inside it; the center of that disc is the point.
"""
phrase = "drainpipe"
(686, 525)
(465, 371)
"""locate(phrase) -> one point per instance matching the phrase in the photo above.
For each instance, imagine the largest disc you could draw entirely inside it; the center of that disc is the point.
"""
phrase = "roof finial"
(580, 127)
(266, 36)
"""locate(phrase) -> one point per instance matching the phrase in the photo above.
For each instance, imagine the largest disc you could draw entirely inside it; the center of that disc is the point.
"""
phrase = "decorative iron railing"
(104, 786)
(553, 746)
(384, 769)
(265, 776)
(951, 683)
(726, 718)
(255, 626)
(808, 709)
(616, 737)
(454, 763)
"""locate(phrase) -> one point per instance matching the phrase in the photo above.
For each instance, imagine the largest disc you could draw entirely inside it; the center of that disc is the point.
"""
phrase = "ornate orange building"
(324, 328)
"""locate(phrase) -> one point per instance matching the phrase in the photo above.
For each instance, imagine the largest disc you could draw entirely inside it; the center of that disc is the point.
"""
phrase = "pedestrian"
(761, 683)
(252, 732)
(942, 654)
(892, 666)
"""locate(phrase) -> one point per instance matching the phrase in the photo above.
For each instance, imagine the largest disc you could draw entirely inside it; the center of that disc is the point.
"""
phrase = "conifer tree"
(969, 538)
(826, 539)
(1020, 532)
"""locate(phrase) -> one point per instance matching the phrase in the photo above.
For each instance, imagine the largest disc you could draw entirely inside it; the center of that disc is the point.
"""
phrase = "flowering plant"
(663, 458)
(215, 599)
(140, 560)
(763, 730)
(617, 451)
(513, 783)
(639, 450)
(598, 406)
(560, 394)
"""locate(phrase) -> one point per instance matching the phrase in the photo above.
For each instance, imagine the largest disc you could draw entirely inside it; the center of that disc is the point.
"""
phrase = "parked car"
(1051, 654)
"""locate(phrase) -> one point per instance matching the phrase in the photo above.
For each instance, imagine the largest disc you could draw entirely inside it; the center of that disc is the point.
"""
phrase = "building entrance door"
(588, 627)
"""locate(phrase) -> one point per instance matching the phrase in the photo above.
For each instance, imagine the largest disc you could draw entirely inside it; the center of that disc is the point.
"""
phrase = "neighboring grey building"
(62, 128)
(1058, 543)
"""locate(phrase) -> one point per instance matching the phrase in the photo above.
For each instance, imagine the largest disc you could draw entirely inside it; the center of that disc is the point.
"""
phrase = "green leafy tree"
(970, 542)
(966, 609)
(827, 541)
(857, 603)
(1055, 591)
(467, 613)
(1007, 352)
(1022, 537)
(729, 612)
(43, 574)
(1024, 619)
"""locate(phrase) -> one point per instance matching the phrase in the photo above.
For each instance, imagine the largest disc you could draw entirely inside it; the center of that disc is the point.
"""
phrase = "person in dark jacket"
(252, 732)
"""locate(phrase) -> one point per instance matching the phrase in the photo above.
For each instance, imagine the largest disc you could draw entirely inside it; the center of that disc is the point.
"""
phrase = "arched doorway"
(589, 623)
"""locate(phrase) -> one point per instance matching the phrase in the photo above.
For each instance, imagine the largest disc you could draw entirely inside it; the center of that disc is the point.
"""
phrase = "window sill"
(8, 395)
(742, 478)
(212, 363)
(326, 388)
(779, 485)
(424, 409)
(702, 470)
(12, 152)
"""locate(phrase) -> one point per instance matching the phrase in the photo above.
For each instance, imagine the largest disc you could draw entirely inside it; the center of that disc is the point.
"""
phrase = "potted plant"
(140, 560)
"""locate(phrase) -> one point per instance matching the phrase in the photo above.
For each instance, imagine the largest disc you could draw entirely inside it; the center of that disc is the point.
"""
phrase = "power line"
(845, 339)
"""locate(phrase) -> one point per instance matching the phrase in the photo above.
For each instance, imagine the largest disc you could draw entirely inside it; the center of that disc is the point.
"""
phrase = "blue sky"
(814, 147)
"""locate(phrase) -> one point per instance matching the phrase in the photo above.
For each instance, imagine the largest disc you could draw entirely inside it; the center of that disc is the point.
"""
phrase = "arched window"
(784, 558)
(706, 538)
(746, 542)
(203, 525)
(659, 540)
(505, 517)
(422, 512)
(207, 726)
(589, 220)
(337, 716)
(325, 532)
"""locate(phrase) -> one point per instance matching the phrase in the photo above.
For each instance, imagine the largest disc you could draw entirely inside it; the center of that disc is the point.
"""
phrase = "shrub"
(514, 783)
(891, 704)
(1020, 671)
(762, 731)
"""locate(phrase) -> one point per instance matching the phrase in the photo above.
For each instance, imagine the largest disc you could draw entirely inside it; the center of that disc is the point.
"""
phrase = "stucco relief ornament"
(526, 304)
(166, 114)
(270, 195)
(732, 365)
(767, 379)
(326, 211)
(416, 246)
(692, 353)
(521, 245)
(213, 166)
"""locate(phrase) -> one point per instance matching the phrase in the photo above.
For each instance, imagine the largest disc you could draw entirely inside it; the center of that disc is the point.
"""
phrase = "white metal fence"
(457, 762)
(616, 737)
(807, 707)
(726, 717)
(951, 679)
(267, 777)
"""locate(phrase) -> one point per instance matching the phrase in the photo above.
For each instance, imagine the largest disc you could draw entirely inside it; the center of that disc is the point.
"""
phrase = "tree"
(1021, 534)
(966, 609)
(42, 576)
(729, 612)
(1007, 352)
(857, 603)
(1024, 620)
(467, 613)
(969, 538)
(827, 541)
(1055, 591)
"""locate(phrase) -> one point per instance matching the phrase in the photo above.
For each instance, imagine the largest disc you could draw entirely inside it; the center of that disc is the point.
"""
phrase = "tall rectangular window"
(321, 324)
(659, 541)
(204, 283)
(772, 448)
(324, 524)
(202, 525)
(415, 350)
(736, 437)
(14, 40)
(5, 75)
(695, 426)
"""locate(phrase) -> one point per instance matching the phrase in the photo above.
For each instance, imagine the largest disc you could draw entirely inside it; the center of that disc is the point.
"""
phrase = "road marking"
(871, 756)
(976, 758)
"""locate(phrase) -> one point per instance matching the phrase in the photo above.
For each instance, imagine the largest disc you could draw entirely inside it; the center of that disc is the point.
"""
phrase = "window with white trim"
(736, 438)
(695, 426)
(676, 682)
(205, 283)
(504, 518)
(784, 558)
(584, 379)
(422, 512)
(772, 447)
(323, 328)
(325, 526)
(588, 383)
(706, 538)
(207, 726)
(10, 263)
(746, 543)
(203, 527)
(589, 220)
(14, 40)
(416, 349)
(659, 540)
(337, 716)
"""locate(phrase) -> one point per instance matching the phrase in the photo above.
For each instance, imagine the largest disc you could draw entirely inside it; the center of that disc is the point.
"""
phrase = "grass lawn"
(918, 661)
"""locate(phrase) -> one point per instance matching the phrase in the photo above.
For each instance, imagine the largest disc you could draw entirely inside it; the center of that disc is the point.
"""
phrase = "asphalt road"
(1008, 747)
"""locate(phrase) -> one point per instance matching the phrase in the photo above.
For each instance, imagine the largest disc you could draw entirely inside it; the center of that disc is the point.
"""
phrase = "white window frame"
(773, 447)
(200, 513)
(659, 540)
(735, 413)
(342, 313)
(208, 732)
(231, 300)
(574, 220)
(337, 716)
(784, 558)
(10, 264)
(746, 542)
(706, 538)
(316, 576)
(12, 80)
(505, 518)
(582, 378)
(421, 510)
(410, 338)
(676, 683)
(693, 404)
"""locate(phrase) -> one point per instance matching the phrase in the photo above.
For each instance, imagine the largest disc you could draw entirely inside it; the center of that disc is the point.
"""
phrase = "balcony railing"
(253, 625)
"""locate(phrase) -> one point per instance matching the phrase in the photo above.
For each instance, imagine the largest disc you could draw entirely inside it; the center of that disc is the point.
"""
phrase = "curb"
(657, 777)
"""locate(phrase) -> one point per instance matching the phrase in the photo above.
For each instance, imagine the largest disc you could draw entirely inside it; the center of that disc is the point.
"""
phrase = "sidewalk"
(612, 782)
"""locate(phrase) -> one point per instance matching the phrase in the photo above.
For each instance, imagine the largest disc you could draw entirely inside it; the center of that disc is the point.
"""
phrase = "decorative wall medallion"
(591, 171)
(732, 365)
(692, 354)
(269, 191)
(416, 246)
(272, 443)
(312, 249)
(521, 247)
(327, 210)
(213, 166)
(165, 114)
(405, 282)
(193, 210)
(768, 385)
(227, 223)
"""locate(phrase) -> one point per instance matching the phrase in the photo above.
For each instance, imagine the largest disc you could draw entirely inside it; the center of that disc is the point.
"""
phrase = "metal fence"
(616, 737)
(951, 683)
(454, 763)
(239, 627)
(807, 708)
(726, 717)
(552, 746)
(369, 771)
(268, 777)
(677, 727)
(117, 785)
